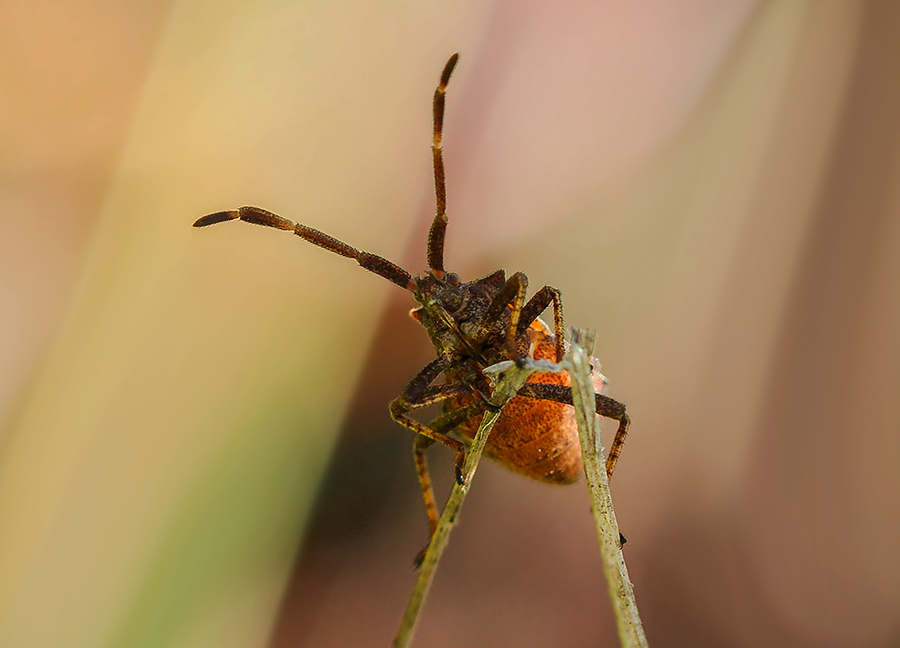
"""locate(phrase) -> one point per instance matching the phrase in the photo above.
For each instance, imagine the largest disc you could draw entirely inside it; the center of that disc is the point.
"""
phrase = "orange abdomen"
(537, 438)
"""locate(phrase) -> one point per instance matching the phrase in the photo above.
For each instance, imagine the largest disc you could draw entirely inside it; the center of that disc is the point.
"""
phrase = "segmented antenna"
(439, 226)
(371, 262)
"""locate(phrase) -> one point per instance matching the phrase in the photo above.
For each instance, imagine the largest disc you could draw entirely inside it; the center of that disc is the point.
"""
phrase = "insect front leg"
(441, 425)
(535, 306)
(512, 294)
(604, 406)
(417, 394)
(437, 430)
(425, 438)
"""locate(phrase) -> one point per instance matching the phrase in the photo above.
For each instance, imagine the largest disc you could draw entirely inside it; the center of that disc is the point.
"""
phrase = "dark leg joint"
(606, 406)
(398, 407)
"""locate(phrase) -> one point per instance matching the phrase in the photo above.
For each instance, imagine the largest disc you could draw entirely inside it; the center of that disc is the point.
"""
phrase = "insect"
(473, 325)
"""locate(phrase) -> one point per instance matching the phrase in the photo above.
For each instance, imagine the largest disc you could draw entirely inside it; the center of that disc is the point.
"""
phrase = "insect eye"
(452, 278)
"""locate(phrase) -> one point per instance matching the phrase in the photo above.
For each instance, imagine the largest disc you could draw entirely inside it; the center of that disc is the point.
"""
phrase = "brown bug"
(474, 325)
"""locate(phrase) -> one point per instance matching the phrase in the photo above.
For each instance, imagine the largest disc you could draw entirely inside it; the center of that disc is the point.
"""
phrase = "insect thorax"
(452, 313)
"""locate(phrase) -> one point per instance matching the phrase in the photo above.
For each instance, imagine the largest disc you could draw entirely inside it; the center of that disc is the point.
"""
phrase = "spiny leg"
(418, 394)
(439, 225)
(511, 294)
(618, 442)
(400, 406)
(418, 384)
(443, 424)
(535, 306)
(371, 262)
(420, 445)
(605, 406)
(430, 396)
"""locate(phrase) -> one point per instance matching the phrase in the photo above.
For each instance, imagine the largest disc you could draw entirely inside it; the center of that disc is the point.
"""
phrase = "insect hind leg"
(604, 406)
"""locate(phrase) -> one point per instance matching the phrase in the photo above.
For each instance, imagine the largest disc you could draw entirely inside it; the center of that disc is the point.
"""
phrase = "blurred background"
(194, 441)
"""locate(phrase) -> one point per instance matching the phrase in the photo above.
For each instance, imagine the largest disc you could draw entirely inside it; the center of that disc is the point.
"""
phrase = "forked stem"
(508, 379)
(578, 363)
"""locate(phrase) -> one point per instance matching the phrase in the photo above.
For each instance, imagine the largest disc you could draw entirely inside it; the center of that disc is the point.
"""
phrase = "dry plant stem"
(508, 378)
(578, 362)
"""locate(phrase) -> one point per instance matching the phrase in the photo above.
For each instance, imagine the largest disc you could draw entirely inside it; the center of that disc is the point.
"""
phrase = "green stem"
(511, 379)
(578, 363)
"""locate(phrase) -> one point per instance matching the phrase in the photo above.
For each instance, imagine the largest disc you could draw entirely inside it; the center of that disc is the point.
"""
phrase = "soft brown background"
(195, 445)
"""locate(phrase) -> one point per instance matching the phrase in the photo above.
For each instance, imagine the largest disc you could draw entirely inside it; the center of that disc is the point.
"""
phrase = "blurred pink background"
(195, 448)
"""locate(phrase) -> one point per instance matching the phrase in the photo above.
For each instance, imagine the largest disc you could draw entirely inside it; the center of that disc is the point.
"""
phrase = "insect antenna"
(371, 262)
(439, 226)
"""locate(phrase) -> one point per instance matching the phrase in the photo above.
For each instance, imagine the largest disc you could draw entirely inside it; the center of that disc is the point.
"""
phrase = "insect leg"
(429, 396)
(512, 293)
(400, 406)
(535, 306)
(415, 389)
(441, 425)
(439, 225)
(605, 406)
(420, 445)
(418, 394)
(426, 436)
(371, 262)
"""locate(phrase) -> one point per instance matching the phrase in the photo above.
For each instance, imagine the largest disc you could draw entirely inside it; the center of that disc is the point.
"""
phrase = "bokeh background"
(195, 444)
